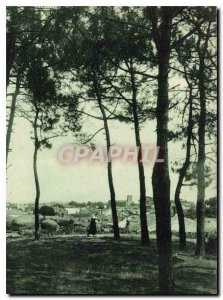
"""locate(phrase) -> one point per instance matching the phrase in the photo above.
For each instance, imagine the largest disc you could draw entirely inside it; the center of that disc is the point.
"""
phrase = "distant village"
(74, 217)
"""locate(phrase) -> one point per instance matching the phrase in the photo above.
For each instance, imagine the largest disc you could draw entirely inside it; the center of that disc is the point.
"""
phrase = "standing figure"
(127, 226)
(92, 229)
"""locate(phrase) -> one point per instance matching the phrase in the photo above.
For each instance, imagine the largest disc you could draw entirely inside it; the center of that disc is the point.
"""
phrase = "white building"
(72, 210)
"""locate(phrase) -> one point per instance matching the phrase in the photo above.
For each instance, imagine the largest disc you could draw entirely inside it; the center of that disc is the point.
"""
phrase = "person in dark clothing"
(92, 229)
(127, 225)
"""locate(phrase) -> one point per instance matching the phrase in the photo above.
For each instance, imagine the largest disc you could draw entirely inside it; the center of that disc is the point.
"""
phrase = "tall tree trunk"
(110, 177)
(202, 52)
(36, 211)
(160, 176)
(200, 245)
(143, 217)
(11, 118)
(183, 171)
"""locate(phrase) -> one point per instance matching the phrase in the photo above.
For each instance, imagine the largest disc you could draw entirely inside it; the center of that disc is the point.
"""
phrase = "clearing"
(100, 265)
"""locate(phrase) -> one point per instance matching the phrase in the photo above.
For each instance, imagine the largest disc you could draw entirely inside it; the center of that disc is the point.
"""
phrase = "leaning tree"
(39, 107)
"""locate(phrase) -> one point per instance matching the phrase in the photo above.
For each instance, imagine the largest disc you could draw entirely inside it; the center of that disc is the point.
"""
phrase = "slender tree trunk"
(36, 145)
(180, 214)
(11, 118)
(200, 245)
(183, 171)
(202, 52)
(160, 176)
(143, 217)
(110, 177)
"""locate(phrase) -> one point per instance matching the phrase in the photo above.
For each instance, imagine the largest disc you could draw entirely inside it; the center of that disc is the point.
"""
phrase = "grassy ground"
(81, 265)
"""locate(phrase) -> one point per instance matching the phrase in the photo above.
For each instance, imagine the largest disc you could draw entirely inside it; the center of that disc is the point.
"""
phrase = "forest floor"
(100, 265)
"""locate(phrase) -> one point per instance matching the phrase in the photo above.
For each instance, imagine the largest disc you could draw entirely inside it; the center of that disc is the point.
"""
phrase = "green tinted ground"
(80, 265)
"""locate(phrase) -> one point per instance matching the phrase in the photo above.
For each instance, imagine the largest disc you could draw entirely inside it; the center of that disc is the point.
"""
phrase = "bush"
(26, 232)
(212, 242)
(190, 213)
(211, 207)
(20, 222)
(49, 226)
(67, 226)
(15, 226)
(47, 211)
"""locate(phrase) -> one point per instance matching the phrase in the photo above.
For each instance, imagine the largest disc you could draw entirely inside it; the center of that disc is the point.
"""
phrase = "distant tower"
(129, 201)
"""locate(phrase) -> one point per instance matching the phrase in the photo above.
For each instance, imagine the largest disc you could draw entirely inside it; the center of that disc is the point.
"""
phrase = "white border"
(5, 3)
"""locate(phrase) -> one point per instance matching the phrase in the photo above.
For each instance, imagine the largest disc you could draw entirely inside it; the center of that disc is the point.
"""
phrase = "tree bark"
(37, 185)
(183, 171)
(160, 176)
(200, 244)
(202, 52)
(11, 118)
(110, 177)
(143, 216)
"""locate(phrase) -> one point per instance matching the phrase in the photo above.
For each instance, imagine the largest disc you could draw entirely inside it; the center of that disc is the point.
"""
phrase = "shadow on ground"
(80, 265)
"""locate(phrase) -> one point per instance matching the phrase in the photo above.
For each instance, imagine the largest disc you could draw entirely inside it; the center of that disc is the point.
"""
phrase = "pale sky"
(83, 181)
